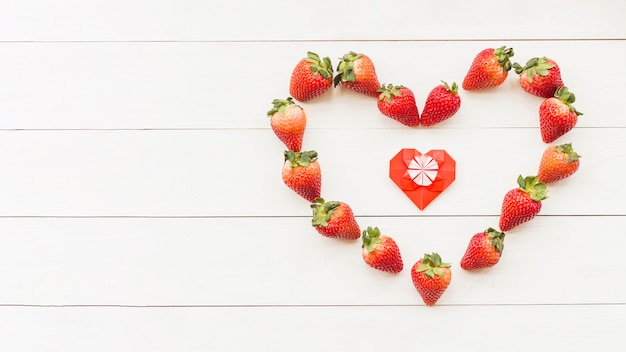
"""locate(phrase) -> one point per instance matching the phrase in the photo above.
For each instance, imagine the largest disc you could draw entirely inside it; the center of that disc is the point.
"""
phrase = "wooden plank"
(228, 173)
(115, 20)
(214, 86)
(485, 328)
(284, 261)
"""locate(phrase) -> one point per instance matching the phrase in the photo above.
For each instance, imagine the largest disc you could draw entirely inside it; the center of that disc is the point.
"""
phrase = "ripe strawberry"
(540, 76)
(356, 71)
(335, 219)
(398, 103)
(288, 122)
(301, 172)
(484, 250)
(442, 102)
(557, 115)
(431, 277)
(381, 252)
(489, 68)
(311, 77)
(523, 203)
(557, 163)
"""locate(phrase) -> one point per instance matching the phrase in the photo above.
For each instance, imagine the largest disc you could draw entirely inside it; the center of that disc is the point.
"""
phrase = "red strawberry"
(540, 76)
(557, 163)
(335, 219)
(302, 173)
(381, 252)
(431, 277)
(288, 122)
(557, 115)
(398, 103)
(484, 250)
(489, 68)
(523, 203)
(356, 71)
(442, 102)
(311, 77)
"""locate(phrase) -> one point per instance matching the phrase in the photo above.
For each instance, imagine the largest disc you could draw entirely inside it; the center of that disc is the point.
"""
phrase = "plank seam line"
(247, 306)
(190, 129)
(252, 41)
(279, 216)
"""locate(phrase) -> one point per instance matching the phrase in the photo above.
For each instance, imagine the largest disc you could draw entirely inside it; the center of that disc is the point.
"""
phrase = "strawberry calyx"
(454, 88)
(537, 191)
(431, 265)
(538, 65)
(297, 159)
(345, 68)
(371, 237)
(570, 155)
(319, 66)
(497, 239)
(389, 91)
(503, 54)
(566, 97)
(280, 105)
(323, 211)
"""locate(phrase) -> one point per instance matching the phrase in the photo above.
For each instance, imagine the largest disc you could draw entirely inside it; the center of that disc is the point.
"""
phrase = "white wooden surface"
(143, 210)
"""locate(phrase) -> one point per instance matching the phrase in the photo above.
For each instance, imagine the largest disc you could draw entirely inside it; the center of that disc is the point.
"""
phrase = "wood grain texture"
(484, 328)
(227, 173)
(284, 261)
(159, 20)
(193, 85)
(141, 205)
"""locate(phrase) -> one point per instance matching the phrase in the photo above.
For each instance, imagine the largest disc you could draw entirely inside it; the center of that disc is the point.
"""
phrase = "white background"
(142, 208)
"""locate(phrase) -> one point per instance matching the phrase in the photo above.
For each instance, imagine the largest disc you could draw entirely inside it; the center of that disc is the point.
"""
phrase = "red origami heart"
(422, 177)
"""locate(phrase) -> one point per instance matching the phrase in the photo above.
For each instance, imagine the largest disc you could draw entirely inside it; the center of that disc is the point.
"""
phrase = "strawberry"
(381, 252)
(489, 68)
(301, 172)
(398, 103)
(557, 163)
(311, 77)
(540, 76)
(442, 102)
(288, 122)
(431, 277)
(523, 203)
(484, 250)
(335, 219)
(357, 72)
(557, 115)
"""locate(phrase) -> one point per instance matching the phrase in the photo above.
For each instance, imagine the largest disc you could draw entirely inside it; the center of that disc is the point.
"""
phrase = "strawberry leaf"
(323, 211)
(571, 155)
(497, 239)
(370, 238)
(537, 191)
(431, 265)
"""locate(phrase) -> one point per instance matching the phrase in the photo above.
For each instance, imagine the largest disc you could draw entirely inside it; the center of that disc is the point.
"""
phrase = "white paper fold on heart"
(423, 170)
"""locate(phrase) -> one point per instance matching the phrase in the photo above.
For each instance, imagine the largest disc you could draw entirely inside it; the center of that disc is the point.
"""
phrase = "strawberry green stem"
(537, 191)
(371, 237)
(503, 54)
(300, 158)
(323, 211)
(538, 65)
(431, 265)
(567, 98)
(280, 105)
(320, 66)
(497, 239)
(345, 68)
(570, 154)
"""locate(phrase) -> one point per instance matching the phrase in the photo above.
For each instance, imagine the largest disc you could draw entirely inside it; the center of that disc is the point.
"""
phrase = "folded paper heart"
(422, 177)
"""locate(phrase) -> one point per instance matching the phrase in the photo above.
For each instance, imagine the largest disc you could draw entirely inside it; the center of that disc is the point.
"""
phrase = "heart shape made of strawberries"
(422, 177)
